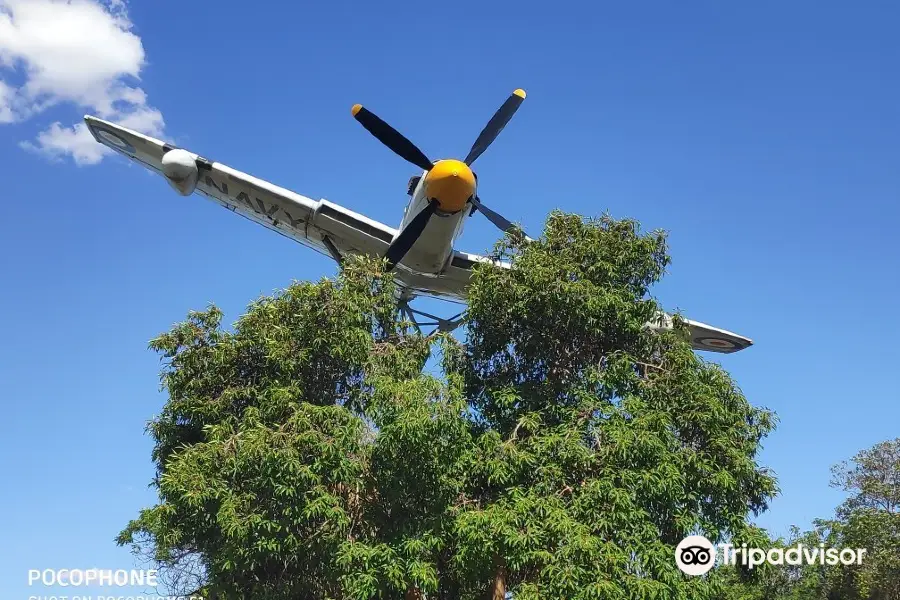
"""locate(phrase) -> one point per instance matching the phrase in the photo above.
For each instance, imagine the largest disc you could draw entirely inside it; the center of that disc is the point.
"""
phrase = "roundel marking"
(719, 343)
(115, 140)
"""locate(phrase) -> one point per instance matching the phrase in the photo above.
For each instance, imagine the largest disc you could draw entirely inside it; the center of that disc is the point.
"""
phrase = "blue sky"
(762, 135)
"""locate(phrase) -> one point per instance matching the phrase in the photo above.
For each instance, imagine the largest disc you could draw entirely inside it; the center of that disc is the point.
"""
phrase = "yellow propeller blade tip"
(356, 108)
(520, 93)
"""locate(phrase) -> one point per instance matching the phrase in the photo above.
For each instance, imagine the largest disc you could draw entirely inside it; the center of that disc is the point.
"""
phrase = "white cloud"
(76, 141)
(81, 52)
(6, 99)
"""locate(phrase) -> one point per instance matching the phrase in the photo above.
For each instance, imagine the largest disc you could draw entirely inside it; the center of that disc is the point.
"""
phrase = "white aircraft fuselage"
(451, 184)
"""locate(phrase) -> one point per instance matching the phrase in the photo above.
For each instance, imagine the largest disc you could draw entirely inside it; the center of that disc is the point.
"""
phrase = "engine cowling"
(180, 170)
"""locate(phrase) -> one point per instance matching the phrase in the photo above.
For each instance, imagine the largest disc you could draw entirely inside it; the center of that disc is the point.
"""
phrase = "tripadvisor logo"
(696, 555)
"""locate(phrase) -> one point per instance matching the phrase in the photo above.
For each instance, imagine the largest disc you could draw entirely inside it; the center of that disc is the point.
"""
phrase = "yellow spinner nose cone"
(356, 108)
(451, 183)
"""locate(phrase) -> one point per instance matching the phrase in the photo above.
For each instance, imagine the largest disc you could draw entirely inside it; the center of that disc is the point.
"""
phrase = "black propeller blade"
(495, 125)
(390, 137)
(499, 221)
(409, 235)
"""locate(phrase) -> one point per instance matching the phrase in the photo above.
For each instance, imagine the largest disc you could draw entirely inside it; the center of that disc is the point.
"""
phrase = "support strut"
(439, 324)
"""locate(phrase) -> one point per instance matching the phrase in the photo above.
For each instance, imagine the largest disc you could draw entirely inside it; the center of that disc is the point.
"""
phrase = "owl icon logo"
(695, 555)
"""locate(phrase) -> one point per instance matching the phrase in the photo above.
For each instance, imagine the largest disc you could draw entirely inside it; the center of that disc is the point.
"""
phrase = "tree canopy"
(559, 449)
(868, 519)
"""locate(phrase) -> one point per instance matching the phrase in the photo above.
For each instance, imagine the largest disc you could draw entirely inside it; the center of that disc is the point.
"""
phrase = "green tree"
(561, 450)
(872, 478)
(868, 519)
(780, 582)
(608, 443)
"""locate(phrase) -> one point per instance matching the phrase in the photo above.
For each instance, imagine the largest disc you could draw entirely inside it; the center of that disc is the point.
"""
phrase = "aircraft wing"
(326, 227)
(321, 225)
(706, 337)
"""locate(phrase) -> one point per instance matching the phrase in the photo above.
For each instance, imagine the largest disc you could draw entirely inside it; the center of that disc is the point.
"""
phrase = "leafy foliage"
(562, 450)
(609, 443)
(869, 519)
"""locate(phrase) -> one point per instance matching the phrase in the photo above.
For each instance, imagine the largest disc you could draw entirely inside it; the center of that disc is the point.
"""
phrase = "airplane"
(421, 250)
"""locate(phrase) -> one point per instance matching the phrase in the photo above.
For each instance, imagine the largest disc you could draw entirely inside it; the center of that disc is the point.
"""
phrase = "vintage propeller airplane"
(421, 250)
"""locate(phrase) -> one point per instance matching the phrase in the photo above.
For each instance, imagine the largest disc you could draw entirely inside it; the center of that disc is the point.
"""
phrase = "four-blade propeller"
(404, 148)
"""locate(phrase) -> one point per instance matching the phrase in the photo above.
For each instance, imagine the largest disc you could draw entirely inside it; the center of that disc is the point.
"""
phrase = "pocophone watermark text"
(92, 577)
